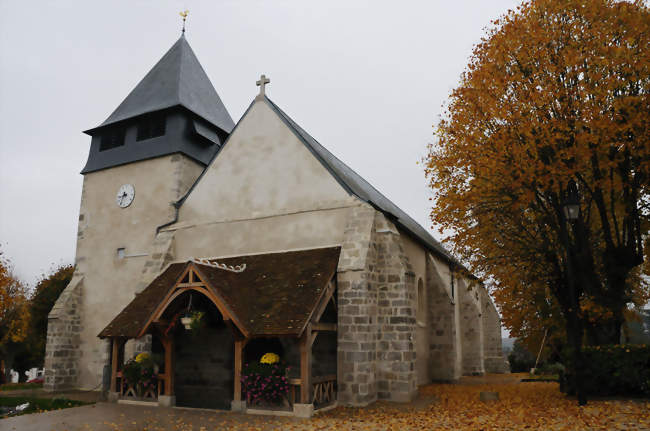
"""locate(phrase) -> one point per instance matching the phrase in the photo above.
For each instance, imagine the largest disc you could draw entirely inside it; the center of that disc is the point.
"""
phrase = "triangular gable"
(263, 169)
(176, 80)
(349, 180)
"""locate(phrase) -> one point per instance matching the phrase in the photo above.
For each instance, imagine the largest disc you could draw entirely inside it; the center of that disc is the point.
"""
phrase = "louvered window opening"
(151, 126)
(112, 139)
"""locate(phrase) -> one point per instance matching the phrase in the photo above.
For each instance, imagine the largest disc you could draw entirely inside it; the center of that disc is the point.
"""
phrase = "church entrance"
(209, 318)
(204, 358)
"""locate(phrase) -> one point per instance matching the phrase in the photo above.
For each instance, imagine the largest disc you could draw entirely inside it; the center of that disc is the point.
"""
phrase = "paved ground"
(537, 406)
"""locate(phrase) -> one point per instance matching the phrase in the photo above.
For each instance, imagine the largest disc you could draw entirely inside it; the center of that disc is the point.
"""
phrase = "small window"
(150, 126)
(111, 139)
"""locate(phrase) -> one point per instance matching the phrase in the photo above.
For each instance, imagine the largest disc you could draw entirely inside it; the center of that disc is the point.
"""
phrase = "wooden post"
(114, 359)
(168, 344)
(239, 347)
(305, 366)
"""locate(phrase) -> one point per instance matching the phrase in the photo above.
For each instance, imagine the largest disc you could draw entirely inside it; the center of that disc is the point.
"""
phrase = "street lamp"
(571, 210)
(571, 206)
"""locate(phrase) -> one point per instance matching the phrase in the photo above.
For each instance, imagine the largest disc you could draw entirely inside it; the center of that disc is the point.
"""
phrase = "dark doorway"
(204, 366)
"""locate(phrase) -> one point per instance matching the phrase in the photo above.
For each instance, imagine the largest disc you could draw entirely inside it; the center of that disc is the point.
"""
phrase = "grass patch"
(37, 405)
(19, 386)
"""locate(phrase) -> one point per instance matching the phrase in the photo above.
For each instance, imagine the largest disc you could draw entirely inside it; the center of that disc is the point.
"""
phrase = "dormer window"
(150, 126)
(111, 139)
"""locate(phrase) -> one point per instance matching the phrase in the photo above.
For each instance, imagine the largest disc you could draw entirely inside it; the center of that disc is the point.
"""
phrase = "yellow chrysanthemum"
(142, 357)
(270, 358)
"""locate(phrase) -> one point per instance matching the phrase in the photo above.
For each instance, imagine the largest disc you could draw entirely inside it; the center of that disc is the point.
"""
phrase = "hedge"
(614, 370)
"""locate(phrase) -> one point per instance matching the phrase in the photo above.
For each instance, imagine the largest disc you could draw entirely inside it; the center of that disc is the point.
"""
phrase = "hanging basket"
(187, 322)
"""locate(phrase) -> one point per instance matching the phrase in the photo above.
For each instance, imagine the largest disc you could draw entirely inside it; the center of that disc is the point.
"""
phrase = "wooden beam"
(323, 326)
(114, 358)
(305, 366)
(168, 344)
(191, 284)
(320, 309)
(239, 347)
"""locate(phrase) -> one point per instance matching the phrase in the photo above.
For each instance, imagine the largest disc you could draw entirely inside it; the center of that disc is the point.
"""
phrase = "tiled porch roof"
(274, 295)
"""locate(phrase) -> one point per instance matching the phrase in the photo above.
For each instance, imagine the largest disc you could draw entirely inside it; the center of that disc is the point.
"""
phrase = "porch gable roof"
(275, 295)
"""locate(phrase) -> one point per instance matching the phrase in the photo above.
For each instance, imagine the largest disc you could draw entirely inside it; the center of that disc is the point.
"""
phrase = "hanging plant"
(197, 320)
(193, 320)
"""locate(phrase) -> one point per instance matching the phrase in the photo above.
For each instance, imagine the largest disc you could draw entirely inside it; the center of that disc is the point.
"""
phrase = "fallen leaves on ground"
(522, 406)
(532, 406)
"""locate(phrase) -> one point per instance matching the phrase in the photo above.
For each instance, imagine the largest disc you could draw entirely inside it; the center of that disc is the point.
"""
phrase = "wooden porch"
(306, 393)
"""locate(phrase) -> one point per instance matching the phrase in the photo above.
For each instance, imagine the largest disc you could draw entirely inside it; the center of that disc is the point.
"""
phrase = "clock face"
(125, 195)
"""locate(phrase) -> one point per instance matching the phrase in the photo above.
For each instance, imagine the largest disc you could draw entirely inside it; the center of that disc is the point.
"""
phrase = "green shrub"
(614, 370)
(521, 360)
(551, 369)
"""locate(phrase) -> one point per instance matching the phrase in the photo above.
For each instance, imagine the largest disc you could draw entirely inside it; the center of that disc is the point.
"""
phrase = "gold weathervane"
(184, 15)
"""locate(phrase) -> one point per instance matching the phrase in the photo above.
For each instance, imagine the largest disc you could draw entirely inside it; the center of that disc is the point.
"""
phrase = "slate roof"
(356, 185)
(274, 295)
(176, 80)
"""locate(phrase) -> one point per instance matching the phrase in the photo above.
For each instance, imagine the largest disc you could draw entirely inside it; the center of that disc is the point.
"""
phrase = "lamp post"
(571, 204)
(571, 213)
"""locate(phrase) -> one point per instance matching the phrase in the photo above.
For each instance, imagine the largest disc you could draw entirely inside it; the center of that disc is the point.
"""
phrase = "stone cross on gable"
(261, 83)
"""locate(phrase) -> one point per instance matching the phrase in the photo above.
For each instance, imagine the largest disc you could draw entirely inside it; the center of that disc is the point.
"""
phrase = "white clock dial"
(125, 195)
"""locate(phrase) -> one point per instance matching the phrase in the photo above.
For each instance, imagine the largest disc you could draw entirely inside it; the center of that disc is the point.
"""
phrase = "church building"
(278, 247)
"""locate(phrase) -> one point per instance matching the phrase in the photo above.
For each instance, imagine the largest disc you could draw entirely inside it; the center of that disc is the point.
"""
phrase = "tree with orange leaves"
(14, 313)
(553, 107)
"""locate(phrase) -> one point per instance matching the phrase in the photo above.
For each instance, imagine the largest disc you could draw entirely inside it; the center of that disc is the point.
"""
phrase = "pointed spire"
(176, 80)
(184, 15)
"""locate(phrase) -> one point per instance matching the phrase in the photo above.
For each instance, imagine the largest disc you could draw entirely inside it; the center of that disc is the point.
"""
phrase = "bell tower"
(142, 158)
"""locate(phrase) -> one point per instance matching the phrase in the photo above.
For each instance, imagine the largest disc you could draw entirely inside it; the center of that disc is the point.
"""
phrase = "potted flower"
(265, 382)
(141, 374)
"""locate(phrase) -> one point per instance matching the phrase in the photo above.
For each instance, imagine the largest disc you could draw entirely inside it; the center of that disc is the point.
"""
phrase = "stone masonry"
(493, 357)
(357, 310)
(444, 351)
(376, 297)
(472, 328)
(62, 349)
(396, 315)
(63, 329)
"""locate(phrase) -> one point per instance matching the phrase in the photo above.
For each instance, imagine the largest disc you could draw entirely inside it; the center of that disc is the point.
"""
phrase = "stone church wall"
(109, 282)
(63, 338)
(376, 352)
(357, 310)
(396, 356)
(471, 328)
(494, 359)
(445, 350)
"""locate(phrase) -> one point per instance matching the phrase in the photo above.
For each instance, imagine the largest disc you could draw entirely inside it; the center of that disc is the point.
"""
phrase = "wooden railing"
(129, 391)
(324, 390)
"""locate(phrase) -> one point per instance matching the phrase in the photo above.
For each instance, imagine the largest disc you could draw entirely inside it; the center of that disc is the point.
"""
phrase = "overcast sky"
(365, 78)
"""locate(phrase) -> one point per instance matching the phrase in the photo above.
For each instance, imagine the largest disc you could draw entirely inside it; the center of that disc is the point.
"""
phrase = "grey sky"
(365, 78)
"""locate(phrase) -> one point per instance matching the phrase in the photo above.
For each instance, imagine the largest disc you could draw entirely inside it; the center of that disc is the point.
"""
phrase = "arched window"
(421, 315)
